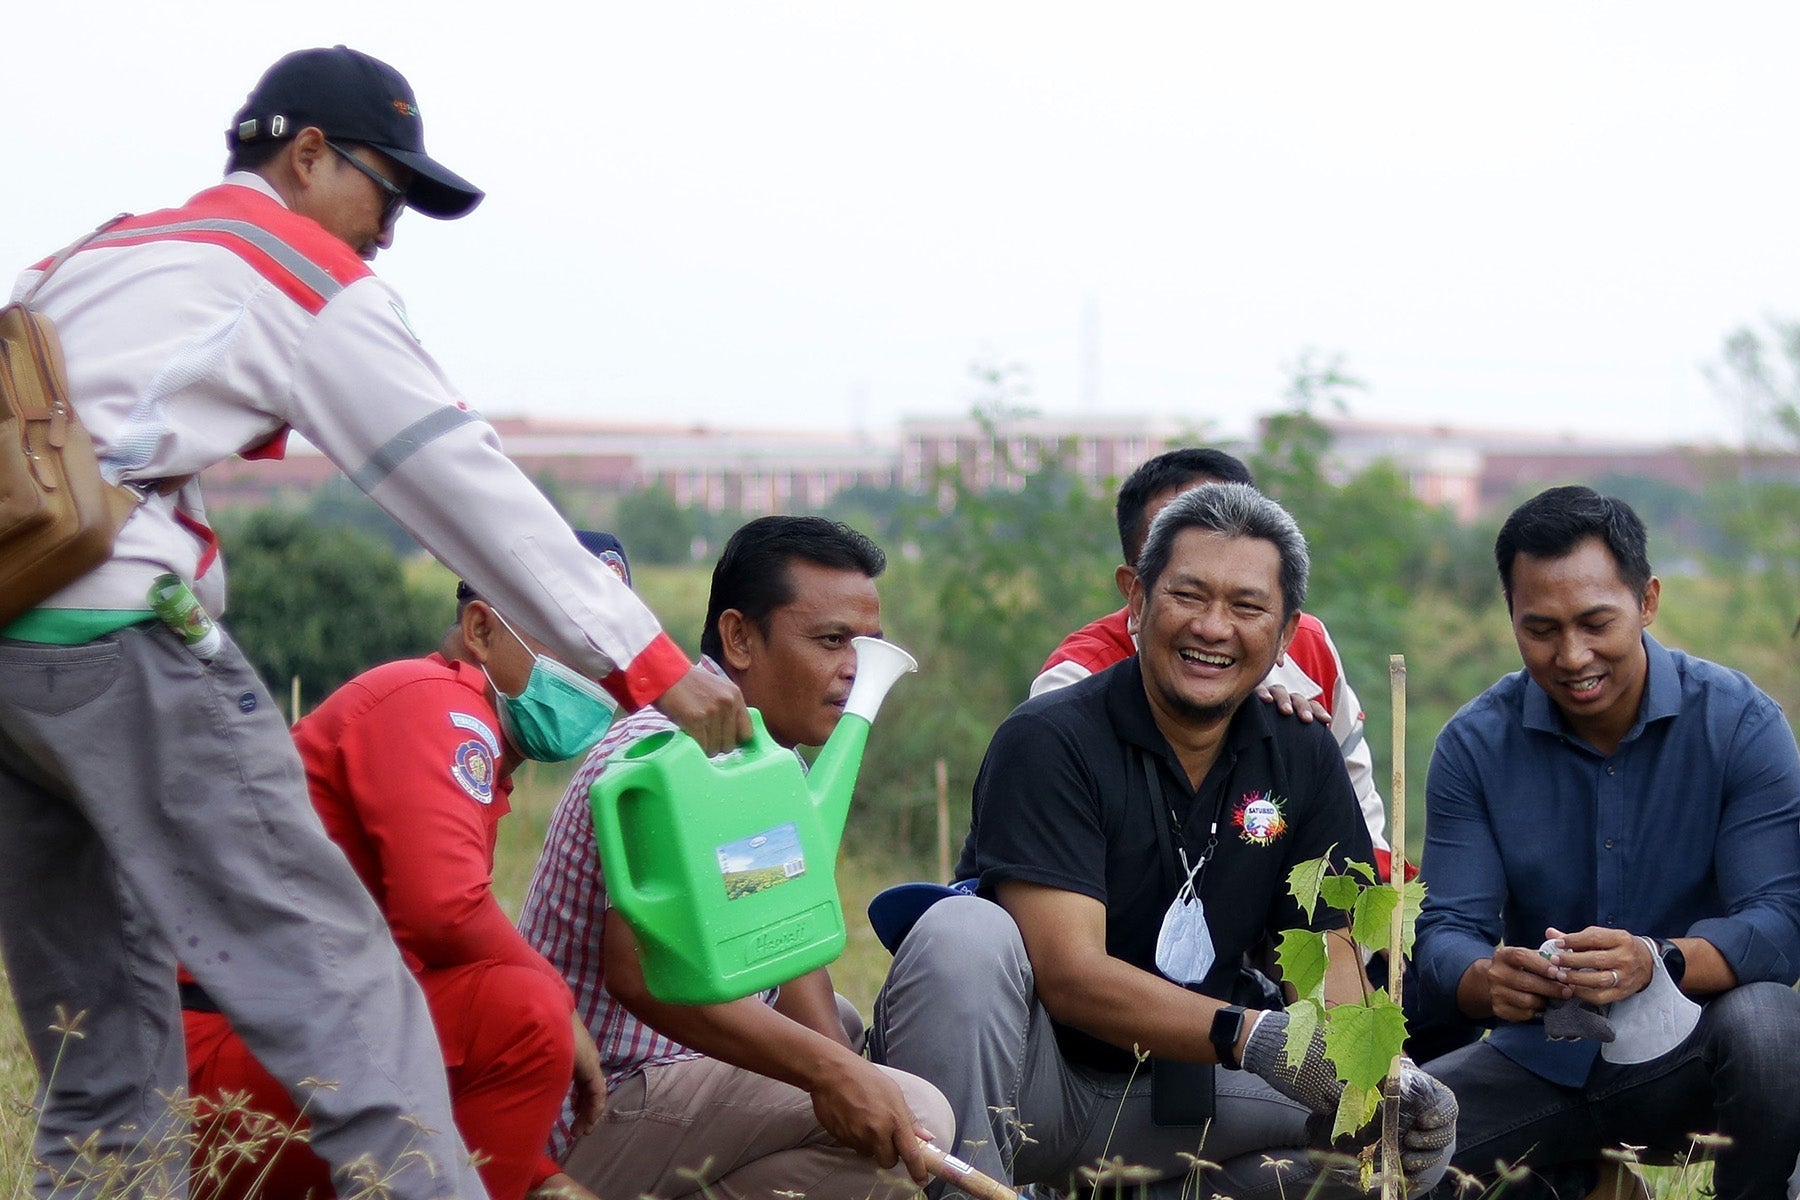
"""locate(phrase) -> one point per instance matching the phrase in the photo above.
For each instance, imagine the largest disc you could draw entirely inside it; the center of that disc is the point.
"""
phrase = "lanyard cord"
(1160, 806)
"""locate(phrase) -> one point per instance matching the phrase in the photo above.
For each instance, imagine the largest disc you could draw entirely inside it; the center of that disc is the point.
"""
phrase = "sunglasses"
(396, 195)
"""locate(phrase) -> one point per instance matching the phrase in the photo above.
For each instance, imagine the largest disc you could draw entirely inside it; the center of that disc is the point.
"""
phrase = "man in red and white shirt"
(1310, 672)
(765, 1095)
(153, 801)
(410, 767)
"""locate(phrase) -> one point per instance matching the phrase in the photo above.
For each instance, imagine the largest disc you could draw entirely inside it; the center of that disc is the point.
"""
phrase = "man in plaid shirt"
(765, 1094)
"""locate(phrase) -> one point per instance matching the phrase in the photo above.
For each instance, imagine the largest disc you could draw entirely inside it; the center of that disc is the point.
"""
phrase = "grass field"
(858, 974)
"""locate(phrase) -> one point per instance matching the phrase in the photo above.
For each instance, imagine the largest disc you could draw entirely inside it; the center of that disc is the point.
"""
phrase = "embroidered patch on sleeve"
(473, 769)
(479, 728)
(1261, 817)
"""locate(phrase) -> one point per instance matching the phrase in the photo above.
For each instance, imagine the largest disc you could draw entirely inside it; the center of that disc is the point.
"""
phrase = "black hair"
(1233, 510)
(252, 156)
(1177, 468)
(752, 574)
(1551, 523)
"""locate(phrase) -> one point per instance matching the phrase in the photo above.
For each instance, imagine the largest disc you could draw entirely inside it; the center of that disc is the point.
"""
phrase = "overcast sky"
(1524, 215)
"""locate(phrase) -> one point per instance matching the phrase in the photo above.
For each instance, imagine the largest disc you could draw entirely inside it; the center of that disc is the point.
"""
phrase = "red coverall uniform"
(402, 764)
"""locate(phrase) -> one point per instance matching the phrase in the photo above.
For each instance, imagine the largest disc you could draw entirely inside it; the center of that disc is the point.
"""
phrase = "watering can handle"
(609, 832)
(758, 747)
(609, 838)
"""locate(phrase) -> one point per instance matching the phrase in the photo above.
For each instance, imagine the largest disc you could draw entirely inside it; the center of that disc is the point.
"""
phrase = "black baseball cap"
(353, 98)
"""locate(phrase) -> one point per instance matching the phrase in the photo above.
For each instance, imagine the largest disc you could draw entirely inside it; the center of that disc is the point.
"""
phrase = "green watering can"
(726, 868)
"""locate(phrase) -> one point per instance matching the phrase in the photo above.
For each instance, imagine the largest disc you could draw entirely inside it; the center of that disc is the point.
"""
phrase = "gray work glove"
(1427, 1107)
(1427, 1121)
(1312, 1080)
(1571, 1020)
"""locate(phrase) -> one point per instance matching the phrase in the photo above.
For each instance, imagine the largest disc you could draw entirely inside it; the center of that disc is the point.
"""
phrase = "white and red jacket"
(211, 329)
(1311, 670)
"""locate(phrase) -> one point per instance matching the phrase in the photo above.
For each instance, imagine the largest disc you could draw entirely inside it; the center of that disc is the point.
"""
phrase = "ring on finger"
(1615, 979)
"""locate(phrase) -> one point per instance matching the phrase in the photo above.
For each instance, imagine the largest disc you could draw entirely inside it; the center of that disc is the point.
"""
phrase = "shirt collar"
(470, 675)
(1661, 698)
(1129, 709)
(255, 182)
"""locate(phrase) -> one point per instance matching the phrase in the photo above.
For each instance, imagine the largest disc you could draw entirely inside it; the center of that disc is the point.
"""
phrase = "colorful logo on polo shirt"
(1261, 817)
(473, 769)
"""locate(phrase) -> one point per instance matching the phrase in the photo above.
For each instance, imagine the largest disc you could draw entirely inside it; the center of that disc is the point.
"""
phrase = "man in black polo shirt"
(1025, 1003)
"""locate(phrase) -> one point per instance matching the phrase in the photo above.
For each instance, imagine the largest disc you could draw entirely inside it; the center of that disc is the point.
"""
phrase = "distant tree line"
(981, 590)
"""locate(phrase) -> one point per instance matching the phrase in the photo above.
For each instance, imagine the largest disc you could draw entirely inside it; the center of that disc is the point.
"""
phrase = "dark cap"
(894, 911)
(603, 546)
(352, 98)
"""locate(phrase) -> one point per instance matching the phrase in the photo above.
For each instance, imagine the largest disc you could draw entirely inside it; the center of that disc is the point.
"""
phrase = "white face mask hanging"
(1184, 947)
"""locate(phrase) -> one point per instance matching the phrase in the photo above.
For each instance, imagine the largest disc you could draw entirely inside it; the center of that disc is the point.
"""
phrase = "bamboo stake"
(1397, 832)
(1391, 1183)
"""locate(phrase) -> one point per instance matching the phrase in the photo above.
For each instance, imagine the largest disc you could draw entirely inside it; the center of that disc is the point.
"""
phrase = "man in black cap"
(153, 801)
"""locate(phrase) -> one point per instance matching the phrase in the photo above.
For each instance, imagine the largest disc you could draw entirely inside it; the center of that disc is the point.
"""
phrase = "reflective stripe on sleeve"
(409, 441)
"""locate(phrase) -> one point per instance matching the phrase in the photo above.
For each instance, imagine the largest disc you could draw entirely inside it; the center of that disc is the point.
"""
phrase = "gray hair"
(1232, 510)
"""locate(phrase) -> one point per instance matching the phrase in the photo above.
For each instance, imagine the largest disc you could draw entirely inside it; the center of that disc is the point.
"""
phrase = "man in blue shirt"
(1640, 809)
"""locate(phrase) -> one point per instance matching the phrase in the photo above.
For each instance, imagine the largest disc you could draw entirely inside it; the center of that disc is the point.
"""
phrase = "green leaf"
(1415, 900)
(1302, 958)
(1363, 869)
(1370, 924)
(1362, 1039)
(1340, 891)
(1304, 879)
(1303, 1018)
(1356, 1108)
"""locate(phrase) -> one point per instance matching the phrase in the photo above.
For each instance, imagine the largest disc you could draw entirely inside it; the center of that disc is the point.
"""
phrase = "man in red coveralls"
(410, 767)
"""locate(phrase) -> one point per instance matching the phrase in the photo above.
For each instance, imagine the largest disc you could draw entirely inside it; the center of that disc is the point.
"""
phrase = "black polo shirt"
(1062, 800)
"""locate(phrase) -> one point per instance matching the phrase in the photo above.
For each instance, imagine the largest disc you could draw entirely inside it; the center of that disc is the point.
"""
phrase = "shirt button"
(1611, 921)
(1609, 768)
(1609, 843)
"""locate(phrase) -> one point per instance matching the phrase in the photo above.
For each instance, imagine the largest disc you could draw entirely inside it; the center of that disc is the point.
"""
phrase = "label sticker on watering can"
(762, 861)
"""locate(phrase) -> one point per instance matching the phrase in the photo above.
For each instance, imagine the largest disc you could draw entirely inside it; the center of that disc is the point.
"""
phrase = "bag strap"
(119, 497)
(66, 253)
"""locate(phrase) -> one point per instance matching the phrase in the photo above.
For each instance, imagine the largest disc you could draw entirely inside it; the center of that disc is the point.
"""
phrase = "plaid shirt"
(564, 913)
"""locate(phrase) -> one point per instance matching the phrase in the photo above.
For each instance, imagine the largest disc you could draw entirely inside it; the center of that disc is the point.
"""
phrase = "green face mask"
(559, 715)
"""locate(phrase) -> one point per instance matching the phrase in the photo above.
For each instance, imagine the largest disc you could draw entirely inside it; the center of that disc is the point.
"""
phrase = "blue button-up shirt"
(1691, 828)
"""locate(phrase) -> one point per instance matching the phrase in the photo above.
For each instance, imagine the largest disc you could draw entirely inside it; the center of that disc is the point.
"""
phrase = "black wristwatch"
(1227, 1028)
(1674, 961)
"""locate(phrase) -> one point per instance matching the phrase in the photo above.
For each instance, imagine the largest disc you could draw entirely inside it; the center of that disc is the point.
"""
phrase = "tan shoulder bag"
(58, 517)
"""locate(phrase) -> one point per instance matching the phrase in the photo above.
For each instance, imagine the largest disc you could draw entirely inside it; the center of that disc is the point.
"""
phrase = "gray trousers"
(154, 808)
(960, 1009)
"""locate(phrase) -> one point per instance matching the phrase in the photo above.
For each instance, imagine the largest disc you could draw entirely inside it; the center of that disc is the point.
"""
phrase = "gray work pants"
(153, 807)
(960, 1009)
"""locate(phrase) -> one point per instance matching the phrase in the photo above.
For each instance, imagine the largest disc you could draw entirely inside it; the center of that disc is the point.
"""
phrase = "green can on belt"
(174, 601)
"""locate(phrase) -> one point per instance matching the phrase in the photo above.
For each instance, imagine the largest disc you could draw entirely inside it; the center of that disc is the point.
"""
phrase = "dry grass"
(858, 975)
(18, 1080)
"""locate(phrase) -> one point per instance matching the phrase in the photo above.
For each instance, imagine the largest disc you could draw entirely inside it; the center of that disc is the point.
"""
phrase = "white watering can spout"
(879, 665)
